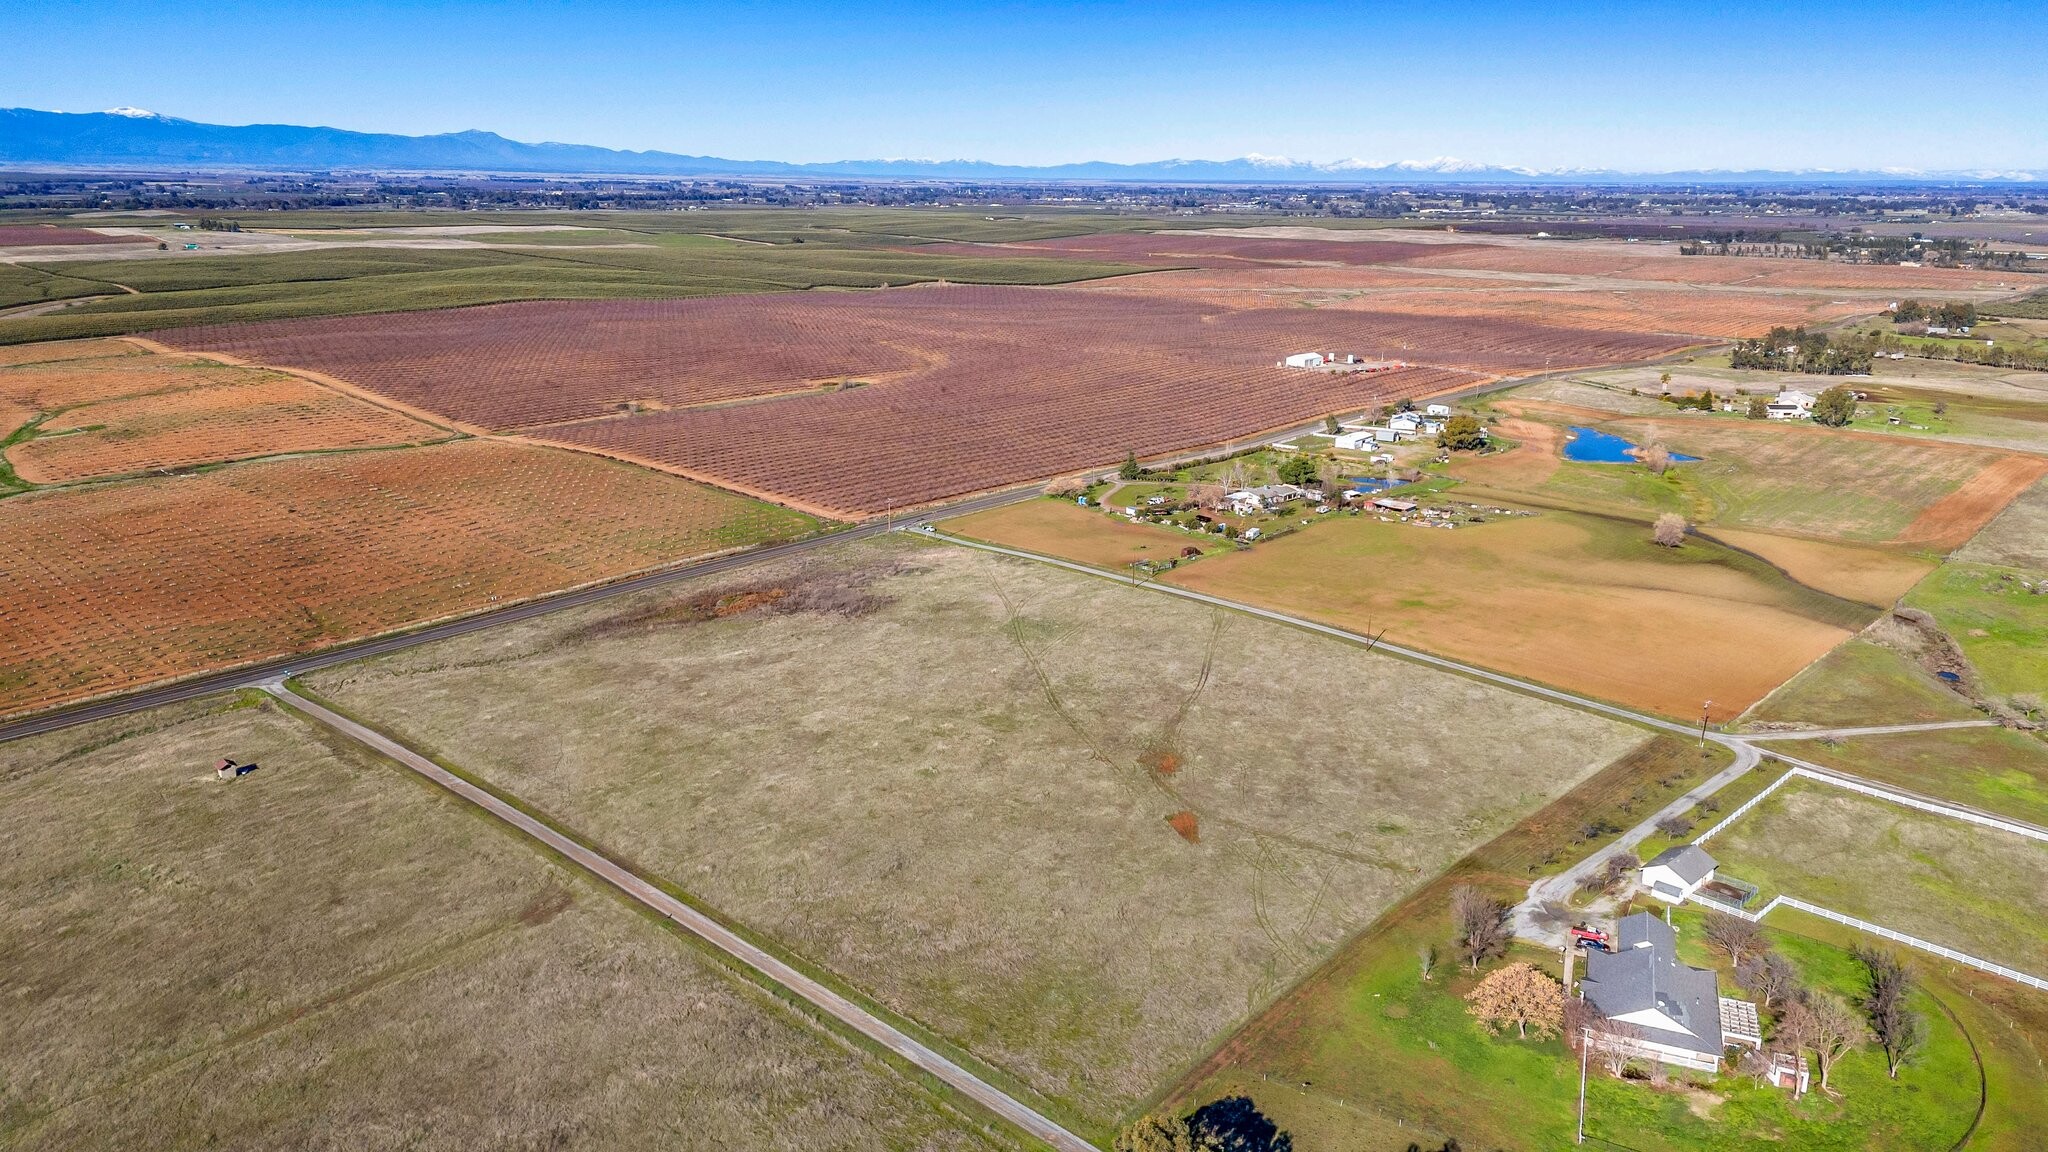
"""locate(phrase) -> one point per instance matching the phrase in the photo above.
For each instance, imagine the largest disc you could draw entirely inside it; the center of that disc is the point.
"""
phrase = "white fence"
(1900, 798)
(1979, 963)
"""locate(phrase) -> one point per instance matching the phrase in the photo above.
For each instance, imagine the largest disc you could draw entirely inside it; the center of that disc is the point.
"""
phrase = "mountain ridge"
(135, 137)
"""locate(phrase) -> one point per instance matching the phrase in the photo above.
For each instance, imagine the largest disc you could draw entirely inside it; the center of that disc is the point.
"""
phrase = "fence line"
(1993, 967)
(1901, 798)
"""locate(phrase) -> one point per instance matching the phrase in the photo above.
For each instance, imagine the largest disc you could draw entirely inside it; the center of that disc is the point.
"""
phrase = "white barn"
(1304, 360)
(1676, 873)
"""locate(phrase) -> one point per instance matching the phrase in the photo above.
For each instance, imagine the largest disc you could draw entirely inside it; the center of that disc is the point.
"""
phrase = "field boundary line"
(1903, 799)
(704, 927)
(1879, 930)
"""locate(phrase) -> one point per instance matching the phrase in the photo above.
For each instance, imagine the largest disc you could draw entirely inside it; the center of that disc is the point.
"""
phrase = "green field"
(329, 953)
(1993, 769)
(2001, 623)
(1945, 880)
(20, 285)
(1862, 683)
(947, 779)
(206, 288)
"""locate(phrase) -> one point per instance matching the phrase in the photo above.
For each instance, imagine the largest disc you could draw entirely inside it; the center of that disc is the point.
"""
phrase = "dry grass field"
(1574, 601)
(1992, 769)
(107, 408)
(1077, 829)
(1863, 683)
(327, 954)
(1975, 889)
(117, 586)
(2017, 537)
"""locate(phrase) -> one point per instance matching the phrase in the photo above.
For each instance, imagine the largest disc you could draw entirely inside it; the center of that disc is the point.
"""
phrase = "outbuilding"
(1304, 360)
(1677, 872)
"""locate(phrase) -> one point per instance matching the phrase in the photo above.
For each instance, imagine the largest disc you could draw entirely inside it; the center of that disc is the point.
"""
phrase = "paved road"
(706, 928)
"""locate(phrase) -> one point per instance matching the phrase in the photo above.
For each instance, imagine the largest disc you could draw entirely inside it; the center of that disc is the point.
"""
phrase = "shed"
(1304, 360)
(1393, 505)
(1677, 872)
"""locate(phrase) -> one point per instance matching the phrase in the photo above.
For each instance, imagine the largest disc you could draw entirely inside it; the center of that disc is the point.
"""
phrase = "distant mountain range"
(131, 137)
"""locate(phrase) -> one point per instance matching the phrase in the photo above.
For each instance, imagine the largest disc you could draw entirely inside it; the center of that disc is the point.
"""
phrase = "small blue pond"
(1592, 446)
(1371, 483)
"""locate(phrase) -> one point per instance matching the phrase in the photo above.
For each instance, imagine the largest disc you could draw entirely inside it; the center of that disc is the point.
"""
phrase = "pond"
(1371, 483)
(1592, 446)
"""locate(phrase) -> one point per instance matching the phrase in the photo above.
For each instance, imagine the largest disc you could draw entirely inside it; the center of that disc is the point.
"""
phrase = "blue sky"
(1638, 86)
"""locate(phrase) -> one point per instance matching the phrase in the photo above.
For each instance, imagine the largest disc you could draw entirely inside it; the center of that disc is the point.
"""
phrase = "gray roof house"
(1656, 1005)
(1676, 873)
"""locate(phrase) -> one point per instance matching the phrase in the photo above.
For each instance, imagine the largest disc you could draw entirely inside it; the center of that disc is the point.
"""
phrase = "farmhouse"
(1676, 873)
(1791, 404)
(1654, 1006)
(1251, 500)
(1304, 360)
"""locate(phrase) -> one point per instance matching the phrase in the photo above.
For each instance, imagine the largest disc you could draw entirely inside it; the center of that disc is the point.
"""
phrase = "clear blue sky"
(1640, 86)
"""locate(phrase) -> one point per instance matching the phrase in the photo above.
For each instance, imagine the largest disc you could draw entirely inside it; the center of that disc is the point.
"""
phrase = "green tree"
(1462, 434)
(1759, 408)
(1299, 468)
(1156, 1134)
(1131, 469)
(1331, 426)
(1834, 407)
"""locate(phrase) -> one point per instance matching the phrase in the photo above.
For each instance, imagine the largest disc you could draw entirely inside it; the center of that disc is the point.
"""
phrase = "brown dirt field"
(1866, 575)
(264, 414)
(1294, 278)
(13, 354)
(1726, 315)
(1950, 522)
(54, 384)
(1635, 262)
(113, 587)
(1532, 461)
(42, 235)
(1061, 527)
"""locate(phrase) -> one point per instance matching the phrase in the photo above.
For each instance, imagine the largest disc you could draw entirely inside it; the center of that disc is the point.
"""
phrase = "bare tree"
(1768, 976)
(1670, 530)
(1657, 458)
(1900, 1031)
(1674, 825)
(1427, 955)
(1207, 495)
(1733, 935)
(1618, 866)
(1823, 1025)
(1481, 922)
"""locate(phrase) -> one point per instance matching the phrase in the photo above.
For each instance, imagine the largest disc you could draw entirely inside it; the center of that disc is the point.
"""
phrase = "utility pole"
(1705, 706)
(1585, 1054)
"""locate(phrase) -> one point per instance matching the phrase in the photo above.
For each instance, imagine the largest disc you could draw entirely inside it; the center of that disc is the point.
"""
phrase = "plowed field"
(39, 235)
(112, 587)
(967, 387)
(1724, 315)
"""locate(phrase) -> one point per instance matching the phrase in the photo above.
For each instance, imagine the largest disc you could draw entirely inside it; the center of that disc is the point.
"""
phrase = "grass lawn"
(1088, 535)
(2001, 624)
(1953, 883)
(1994, 769)
(1368, 1055)
(327, 953)
(1861, 684)
(946, 778)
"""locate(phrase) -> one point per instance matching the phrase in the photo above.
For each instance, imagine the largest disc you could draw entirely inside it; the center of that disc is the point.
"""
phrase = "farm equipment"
(1588, 937)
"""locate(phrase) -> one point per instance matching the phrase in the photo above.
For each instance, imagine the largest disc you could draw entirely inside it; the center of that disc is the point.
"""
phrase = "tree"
(1657, 458)
(1941, 407)
(1331, 426)
(1234, 1124)
(1330, 478)
(1299, 468)
(1664, 380)
(1462, 434)
(1899, 1030)
(1427, 955)
(1823, 1025)
(1733, 935)
(1834, 407)
(1908, 312)
(1130, 470)
(1481, 923)
(1670, 530)
(1768, 976)
(1156, 1134)
(1520, 995)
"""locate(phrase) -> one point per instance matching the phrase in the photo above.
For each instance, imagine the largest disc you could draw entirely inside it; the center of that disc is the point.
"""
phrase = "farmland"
(1073, 829)
(115, 586)
(1992, 769)
(1975, 889)
(1576, 601)
(47, 235)
(104, 409)
(324, 954)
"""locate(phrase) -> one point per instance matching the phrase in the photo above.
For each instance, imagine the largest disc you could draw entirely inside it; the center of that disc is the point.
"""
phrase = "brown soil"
(1866, 575)
(1188, 825)
(1951, 521)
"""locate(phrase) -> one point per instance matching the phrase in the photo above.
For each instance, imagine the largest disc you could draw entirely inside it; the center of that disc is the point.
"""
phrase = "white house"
(1791, 404)
(1442, 410)
(1304, 360)
(1655, 1006)
(1251, 500)
(1407, 422)
(1674, 874)
(1364, 440)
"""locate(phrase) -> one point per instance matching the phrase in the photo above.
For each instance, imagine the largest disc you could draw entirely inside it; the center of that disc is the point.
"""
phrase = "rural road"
(702, 926)
(1869, 730)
